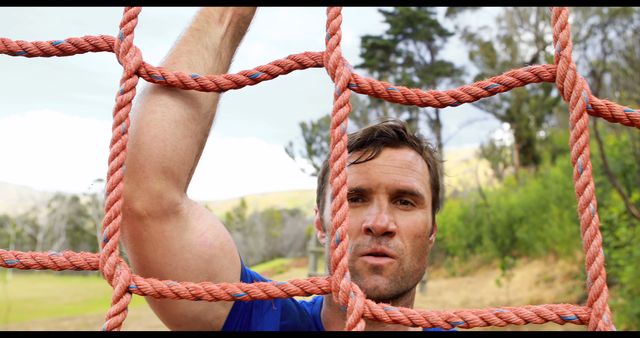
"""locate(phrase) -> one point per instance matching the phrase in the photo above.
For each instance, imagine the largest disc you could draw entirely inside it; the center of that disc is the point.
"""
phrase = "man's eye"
(355, 199)
(404, 202)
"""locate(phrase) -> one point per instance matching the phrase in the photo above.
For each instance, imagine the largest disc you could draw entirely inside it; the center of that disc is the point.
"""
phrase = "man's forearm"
(208, 46)
(173, 124)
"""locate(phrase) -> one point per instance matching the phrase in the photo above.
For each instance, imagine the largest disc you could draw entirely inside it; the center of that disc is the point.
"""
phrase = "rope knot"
(121, 297)
(127, 54)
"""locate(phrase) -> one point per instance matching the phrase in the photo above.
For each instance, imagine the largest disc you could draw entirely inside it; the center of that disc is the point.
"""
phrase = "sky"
(56, 113)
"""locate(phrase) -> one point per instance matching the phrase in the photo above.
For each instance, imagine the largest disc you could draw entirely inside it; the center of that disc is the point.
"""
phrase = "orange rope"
(573, 88)
(575, 91)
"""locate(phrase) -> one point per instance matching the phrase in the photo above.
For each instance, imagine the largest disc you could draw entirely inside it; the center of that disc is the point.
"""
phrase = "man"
(393, 197)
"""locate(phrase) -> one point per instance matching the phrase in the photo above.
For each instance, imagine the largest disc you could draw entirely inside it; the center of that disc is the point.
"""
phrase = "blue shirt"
(282, 314)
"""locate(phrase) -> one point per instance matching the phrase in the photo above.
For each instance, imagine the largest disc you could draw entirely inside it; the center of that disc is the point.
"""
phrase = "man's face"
(389, 222)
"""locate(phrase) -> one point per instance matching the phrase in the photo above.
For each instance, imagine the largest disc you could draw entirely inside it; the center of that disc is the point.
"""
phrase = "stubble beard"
(387, 286)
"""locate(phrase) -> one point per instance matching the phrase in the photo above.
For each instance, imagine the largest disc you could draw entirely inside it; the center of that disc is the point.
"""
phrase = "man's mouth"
(377, 260)
(378, 256)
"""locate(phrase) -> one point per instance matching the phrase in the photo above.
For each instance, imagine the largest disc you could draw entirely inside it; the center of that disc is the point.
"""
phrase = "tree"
(267, 234)
(32, 233)
(497, 153)
(237, 217)
(94, 203)
(600, 34)
(408, 53)
(7, 231)
(61, 223)
(67, 224)
(315, 135)
(522, 37)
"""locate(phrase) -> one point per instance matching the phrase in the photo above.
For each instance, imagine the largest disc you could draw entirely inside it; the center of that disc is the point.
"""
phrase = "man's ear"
(432, 237)
(317, 223)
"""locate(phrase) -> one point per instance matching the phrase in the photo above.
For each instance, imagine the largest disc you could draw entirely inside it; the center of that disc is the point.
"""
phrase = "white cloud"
(53, 151)
(49, 150)
(232, 167)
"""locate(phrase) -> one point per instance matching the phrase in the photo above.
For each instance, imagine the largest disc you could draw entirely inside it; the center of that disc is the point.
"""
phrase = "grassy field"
(35, 300)
(42, 300)
(35, 295)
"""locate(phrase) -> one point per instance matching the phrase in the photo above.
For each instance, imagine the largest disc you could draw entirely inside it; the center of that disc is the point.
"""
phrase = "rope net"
(595, 314)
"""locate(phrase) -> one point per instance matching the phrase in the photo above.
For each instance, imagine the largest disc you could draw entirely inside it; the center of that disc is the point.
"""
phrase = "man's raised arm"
(167, 235)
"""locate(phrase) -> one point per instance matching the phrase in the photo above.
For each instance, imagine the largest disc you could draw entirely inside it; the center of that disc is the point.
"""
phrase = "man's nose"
(379, 221)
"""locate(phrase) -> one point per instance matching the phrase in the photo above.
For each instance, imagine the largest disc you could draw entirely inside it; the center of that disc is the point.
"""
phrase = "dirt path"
(535, 282)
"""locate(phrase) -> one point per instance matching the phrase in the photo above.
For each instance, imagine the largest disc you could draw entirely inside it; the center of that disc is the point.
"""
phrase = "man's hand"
(166, 234)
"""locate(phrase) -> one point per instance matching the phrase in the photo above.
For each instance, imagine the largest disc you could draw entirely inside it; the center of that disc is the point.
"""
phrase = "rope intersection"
(572, 87)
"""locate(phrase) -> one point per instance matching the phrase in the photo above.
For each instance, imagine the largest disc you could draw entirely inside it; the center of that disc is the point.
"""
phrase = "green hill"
(15, 199)
(301, 199)
(463, 169)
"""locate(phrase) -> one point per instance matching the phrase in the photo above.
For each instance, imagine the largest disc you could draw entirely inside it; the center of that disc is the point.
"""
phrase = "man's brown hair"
(371, 140)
